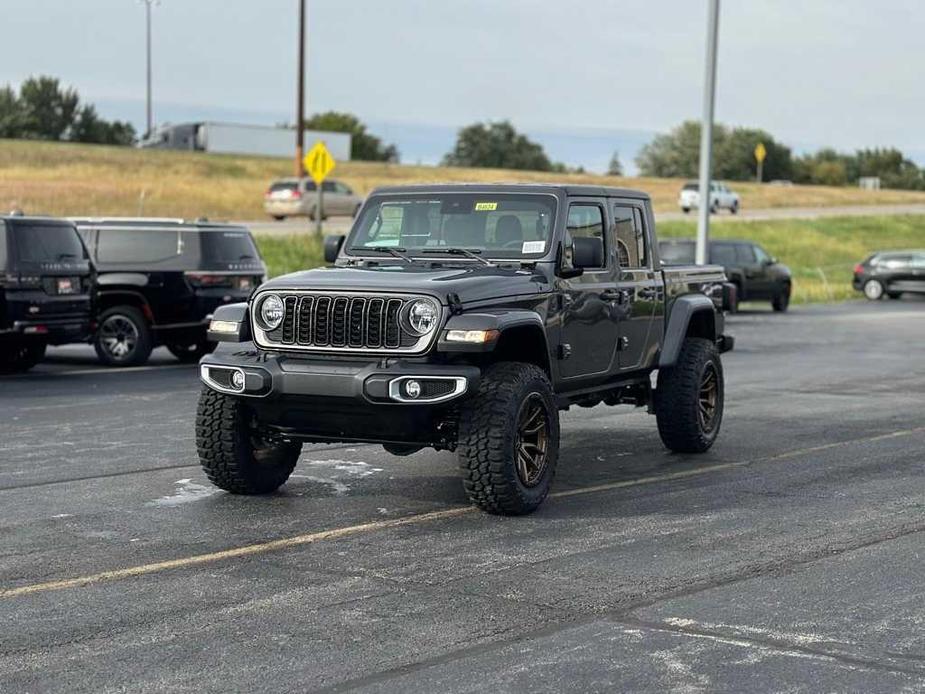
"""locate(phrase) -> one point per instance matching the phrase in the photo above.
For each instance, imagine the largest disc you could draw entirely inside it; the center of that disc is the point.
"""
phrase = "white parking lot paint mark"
(187, 491)
(338, 488)
(63, 515)
(375, 526)
(336, 473)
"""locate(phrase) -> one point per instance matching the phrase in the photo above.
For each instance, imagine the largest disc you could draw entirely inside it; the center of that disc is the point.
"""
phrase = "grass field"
(74, 179)
(821, 253)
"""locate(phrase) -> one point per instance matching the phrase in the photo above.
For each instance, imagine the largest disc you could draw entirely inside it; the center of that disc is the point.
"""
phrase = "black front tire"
(231, 451)
(278, 217)
(509, 440)
(679, 398)
(19, 357)
(190, 352)
(781, 300)
(734, 208)
(123, 337)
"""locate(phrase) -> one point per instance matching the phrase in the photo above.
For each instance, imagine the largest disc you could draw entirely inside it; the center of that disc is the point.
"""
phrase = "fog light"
(412, 389)
(237, 380)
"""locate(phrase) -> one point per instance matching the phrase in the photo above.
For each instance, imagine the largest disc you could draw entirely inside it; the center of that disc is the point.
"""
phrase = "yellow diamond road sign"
(760, 151)
(318, 162)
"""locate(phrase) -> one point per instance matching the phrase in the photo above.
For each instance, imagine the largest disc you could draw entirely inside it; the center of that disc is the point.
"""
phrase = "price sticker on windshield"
(486, 206)
(533, 247)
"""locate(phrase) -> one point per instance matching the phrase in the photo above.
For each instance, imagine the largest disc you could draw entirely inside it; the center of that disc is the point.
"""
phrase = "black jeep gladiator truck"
(45, 286)
(464, 317)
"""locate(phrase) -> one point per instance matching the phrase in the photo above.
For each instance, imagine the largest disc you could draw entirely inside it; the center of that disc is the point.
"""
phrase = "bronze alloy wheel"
(532, 443)
(708, 398)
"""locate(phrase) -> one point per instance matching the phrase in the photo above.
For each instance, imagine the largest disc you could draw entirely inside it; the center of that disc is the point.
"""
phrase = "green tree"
(89, 127)
(11, 114)
(48, 109)
(677, 154)
(497, 145)
(615, 167)
(363, 145)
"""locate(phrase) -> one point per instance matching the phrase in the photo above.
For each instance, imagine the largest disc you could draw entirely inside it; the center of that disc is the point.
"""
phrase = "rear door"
(590, 323)
(639, 286)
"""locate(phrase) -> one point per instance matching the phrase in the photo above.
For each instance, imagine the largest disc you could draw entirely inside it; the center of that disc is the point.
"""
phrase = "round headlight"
(421, 316)
(272, 311)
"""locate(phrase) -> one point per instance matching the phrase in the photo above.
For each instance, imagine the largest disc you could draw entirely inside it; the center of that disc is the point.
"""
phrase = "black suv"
(464, 318)
(891, 274)
(45, 281)
(756, 274)
(159, 280)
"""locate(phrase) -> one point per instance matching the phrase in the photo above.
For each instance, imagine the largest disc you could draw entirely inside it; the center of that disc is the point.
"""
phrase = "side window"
(723, 254)
(630, 237)
(745, 253)
(761, 255)
(2, 245)
(918, 260)
(586, 220)
(342, 189)
(130, 246)
(328, 187)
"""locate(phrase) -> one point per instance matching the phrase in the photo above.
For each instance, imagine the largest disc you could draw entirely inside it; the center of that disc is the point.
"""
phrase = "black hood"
(470, 283)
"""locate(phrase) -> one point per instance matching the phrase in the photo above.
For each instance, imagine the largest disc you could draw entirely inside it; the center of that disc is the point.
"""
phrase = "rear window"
(291, 186)
(677, 253)
(228, 247)
(137, 246)
(277, 187)
(691, 186)
(46, 243)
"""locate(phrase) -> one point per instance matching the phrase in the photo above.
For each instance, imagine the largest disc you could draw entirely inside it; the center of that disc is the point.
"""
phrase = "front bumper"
(384, 382)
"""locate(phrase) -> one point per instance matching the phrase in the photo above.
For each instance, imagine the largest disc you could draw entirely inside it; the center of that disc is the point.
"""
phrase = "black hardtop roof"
(24, 219)
(155, 224)
(536, 188)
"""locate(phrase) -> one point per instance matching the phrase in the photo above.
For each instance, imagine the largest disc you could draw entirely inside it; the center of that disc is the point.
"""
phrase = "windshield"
(677, 253)
(501, 225)
(228, 247)
(691, 186)
(44, 243)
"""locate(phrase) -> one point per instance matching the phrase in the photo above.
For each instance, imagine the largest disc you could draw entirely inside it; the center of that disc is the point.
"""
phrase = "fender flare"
(500, 320)
(683, 310)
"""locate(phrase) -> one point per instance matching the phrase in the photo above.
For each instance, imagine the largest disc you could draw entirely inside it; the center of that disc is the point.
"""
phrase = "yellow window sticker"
(486, 206)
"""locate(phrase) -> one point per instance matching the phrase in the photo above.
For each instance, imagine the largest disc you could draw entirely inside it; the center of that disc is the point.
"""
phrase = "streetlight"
(300, 97)
(148, 111)
(706, 134)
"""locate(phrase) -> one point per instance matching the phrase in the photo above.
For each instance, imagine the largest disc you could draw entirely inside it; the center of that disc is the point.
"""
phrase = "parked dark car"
(159, 280)
(756, 274)
(891, 274)
(45, 281)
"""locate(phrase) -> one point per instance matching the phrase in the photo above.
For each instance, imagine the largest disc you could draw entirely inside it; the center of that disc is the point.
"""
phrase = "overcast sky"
(846, 73)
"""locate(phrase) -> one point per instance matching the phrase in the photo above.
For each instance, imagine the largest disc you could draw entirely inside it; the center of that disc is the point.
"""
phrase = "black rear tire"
(895, 295)
(683, 424)
(19, 357)
(278, 217)
(190, 352)
(231, 451)
(123, 337)
(509, 440)
(781, 300)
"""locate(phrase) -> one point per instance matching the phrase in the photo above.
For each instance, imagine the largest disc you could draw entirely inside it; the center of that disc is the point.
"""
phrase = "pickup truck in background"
(721, 197)
(465, 317)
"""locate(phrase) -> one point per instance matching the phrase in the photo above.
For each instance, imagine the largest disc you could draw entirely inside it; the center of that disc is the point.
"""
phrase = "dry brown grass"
(72, 179)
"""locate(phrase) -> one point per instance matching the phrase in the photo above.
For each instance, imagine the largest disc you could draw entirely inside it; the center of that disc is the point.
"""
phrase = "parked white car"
(721, 197)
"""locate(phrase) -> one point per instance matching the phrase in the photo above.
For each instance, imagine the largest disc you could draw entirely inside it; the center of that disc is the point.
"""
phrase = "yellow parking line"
(337, 533)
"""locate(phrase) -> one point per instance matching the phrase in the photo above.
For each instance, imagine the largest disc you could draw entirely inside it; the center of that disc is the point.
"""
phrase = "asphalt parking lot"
(790, 557)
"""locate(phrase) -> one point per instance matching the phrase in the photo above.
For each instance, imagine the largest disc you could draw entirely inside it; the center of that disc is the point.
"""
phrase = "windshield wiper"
(391, 250)
(451, 250)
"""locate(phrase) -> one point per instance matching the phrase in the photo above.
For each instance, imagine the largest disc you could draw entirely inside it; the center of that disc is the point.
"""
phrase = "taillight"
(202, 279)
(859, 269)
(296, 194)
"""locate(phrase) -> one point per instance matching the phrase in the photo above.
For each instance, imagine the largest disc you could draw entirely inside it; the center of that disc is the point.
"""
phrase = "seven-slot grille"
(332, 322)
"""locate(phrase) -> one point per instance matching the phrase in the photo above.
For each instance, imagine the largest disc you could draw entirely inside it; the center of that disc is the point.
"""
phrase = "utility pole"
(148, 109)
(300, 98)
(706, 134)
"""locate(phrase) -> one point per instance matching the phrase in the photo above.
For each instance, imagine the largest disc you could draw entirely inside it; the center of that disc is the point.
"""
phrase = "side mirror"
(332, 246)
(587, 252)
(770, 261)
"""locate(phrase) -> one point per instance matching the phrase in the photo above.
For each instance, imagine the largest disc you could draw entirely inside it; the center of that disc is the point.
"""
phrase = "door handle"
(621, 296)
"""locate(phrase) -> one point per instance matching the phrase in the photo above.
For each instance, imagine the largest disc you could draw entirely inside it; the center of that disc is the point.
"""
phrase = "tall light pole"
(300, 91)
(148, 109)
(706, 134)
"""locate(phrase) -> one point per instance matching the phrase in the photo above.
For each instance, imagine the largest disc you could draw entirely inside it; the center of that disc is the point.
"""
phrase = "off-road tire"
(19, 357)
(677, 398)
(143, 345)
(781, 300)
(227, 452)
(488, 435)
(190, 352)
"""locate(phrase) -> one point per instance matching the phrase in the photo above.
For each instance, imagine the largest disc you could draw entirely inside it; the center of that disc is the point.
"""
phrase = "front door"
(639, 287)
(757, 264)
(589, 325)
